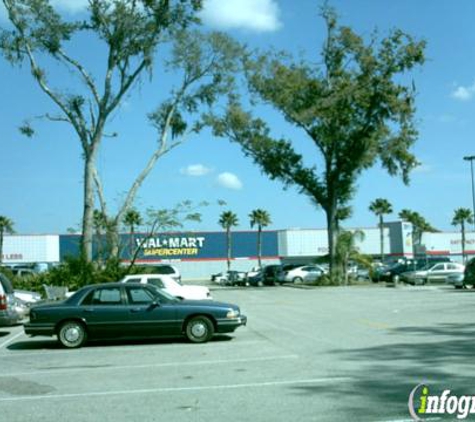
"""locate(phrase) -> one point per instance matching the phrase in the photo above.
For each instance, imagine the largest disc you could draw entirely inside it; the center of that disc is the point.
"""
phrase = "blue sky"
(41, 189)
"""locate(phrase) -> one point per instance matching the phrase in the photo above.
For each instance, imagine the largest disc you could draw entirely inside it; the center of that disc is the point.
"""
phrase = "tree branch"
(87, 78)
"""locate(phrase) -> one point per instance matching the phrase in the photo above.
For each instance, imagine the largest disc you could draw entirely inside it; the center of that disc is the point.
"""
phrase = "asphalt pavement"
(323, 354)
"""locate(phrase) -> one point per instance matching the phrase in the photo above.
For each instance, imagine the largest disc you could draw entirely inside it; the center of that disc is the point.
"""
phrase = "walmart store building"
(199, 254)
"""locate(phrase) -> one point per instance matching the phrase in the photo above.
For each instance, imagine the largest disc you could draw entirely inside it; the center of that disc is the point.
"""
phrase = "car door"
(106, 313)
(311, 273)
(437, 273)
(149, 314)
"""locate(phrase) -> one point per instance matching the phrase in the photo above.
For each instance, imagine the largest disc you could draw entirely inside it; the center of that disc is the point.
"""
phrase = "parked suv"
(8, 302)
(469, 273)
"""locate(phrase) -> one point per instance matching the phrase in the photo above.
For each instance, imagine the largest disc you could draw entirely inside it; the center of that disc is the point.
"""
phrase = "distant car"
(432, 273)
(27, 296)
(256, 280)
(11, 310)
(168, 284)
(301, 274)
(123, 310)
(469, 273)
(465, 279)
(270, 274)
(231, 278)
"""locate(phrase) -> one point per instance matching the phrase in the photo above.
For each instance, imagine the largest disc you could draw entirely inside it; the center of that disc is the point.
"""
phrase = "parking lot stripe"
(2, 345)
(148, 366)
(179, 389)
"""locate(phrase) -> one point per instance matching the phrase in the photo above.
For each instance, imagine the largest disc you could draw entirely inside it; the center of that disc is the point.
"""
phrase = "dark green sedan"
(117, 310)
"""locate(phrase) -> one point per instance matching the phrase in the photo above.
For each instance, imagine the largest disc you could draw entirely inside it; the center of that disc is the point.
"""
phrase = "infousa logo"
(422, 404)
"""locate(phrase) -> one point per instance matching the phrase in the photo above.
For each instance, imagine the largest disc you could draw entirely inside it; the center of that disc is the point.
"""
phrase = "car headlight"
(233, 313)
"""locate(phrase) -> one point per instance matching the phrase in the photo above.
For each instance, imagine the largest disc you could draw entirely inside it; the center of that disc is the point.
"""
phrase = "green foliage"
(352, 106)
(228, 220)
(380, 207)
(419, 224)
(133, 219)
(260, 218)
(74, 273)
(6, 225)
(462, 216)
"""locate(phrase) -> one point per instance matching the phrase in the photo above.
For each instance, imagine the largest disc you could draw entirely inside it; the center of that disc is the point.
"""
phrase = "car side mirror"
(155, 304)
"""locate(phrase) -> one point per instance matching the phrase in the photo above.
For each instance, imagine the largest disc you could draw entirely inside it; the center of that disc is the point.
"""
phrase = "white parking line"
(148, 366)
(2, 345)
(178, 389)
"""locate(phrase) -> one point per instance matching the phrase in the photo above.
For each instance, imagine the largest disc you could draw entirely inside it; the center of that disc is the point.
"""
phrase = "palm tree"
(419, 225)
(346, 250)
(380, 207)
(462, 216)
(132, 220)
(227, 220)
(259, 218)
(6, 226)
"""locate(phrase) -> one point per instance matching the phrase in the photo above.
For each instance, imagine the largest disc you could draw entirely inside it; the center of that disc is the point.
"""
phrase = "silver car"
(301, 274)
(9, 305)
(433, 273)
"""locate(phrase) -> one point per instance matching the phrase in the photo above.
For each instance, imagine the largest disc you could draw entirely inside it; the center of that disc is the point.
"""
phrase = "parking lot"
(327, 354)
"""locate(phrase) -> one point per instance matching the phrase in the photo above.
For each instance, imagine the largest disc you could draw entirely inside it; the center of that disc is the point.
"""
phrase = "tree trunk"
(88, 212)
(381, 237)
(332, 224)
(463, 242)
(259, 246)
(228, 241)
(1, 246)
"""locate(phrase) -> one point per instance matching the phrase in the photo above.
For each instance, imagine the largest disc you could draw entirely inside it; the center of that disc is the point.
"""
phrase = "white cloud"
(69, 6)
(464, 93)
(229, 181)
(256, 15)
(195, 170)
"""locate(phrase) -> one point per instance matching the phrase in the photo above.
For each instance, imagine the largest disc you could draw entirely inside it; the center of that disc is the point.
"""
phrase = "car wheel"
(199, 329)
(297, 280)
(260, 283)
(72, 334)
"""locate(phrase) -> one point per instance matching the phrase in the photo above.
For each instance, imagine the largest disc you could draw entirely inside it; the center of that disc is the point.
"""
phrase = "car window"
(133, 280)
(156, 282)
(103, 296)
(7, 285)
(452, 267)
(139, 296)
(164, 269)
(438, 267)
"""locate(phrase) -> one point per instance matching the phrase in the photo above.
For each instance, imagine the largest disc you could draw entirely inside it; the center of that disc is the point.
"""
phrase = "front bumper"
(230, 325)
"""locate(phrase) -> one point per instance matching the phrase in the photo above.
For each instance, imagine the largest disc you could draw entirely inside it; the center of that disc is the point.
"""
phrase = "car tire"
(260, 283)
(72, 334)
(199, 329)
(297, 280)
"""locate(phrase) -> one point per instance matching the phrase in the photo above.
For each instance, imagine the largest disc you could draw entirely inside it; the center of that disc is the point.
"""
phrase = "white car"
(167, 283)
(27, 296)
(301, 274)
(433, 273)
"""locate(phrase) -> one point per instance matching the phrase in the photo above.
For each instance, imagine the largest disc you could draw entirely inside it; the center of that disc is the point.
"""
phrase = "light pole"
(471, 158)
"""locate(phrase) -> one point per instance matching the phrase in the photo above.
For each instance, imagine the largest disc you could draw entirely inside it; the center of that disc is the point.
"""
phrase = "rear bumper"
(230, 325)
(39, 329)
(8, 318)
